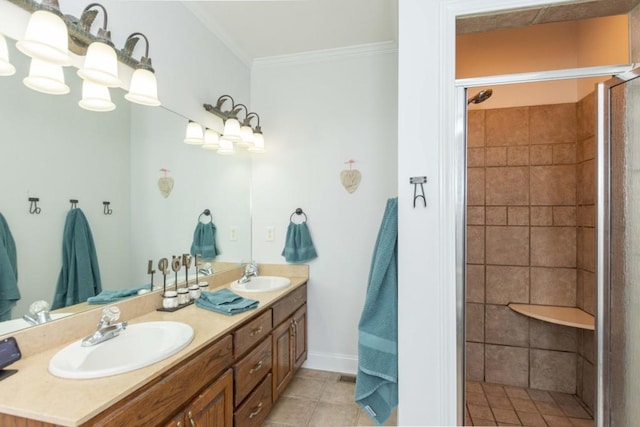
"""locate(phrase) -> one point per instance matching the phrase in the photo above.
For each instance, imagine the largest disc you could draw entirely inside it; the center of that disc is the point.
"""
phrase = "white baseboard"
(331, 362)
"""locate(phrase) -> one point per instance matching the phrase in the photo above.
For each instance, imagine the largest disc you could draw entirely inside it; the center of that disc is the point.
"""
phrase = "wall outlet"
(233, 234)
(269, 233)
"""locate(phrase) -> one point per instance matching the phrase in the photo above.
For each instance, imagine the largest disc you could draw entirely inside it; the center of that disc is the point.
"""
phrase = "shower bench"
(567, 316)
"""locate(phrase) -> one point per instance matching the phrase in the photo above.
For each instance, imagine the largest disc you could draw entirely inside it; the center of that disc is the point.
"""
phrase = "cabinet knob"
(256, 410)
(256, 332)
(193, 423)
(256, 367)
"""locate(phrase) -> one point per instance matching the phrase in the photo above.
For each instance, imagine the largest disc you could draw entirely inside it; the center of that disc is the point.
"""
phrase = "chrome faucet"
(250, 270)
(106, 329)
(38, 313)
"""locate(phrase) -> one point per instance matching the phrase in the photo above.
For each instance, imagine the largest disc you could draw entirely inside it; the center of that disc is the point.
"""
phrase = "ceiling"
(267, 28)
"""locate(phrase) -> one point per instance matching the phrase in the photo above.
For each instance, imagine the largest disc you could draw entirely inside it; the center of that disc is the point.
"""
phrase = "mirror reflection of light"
(6, 68)
(46, 77)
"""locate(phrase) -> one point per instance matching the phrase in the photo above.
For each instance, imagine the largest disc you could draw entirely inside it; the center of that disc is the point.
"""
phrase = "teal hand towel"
(377, 377)
(79, 277)
(204, 241)
(298, 245)
(9, 292)
(107, 297)
(226, 302)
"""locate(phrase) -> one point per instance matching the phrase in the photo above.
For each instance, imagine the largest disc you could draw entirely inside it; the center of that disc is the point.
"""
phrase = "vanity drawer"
(256, 408)
(289, 304)
(245, 337)
(251, 369)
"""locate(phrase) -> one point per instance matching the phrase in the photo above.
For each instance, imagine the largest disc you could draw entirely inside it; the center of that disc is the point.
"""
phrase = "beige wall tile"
(549, 336)
(553, 371)
(541, 154)
(589, 385)
(507, 284)
(507, 126)
(586, 216)
(518, 215)
(475, 322)
(475, 157)
(475, 244)
(475, 128)
(496, 215)
(564, 154)
(474, 361)
(475, 215)
(588, 345)
(553, 286)
(586, 183)
(564, 215)
(553, 185)
(541, 215)
(475, 283)
(506, 365)
(507, 245)
(553, 124)
(588, 291)
(496, 156)
(506, 327)
(507, 186)
(587, 248)
(586, 112)
(518, 156)
(553, 246)
(475, 186)
(586, 149)
(580, 289)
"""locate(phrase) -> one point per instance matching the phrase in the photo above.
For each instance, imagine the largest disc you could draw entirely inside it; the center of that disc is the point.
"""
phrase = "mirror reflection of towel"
(9, 292)
(298, 246)
(79, 277)
(204, 241)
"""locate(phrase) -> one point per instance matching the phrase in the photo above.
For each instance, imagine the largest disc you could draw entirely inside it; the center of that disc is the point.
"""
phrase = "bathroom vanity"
(230, 374)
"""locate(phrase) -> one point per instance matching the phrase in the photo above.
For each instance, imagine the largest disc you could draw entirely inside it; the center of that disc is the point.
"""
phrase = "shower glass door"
(618, 332)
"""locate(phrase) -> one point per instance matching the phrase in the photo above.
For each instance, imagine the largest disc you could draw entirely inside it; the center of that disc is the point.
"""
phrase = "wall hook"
(418, 180)
(107, 209)
(33, 205)
(74, 203)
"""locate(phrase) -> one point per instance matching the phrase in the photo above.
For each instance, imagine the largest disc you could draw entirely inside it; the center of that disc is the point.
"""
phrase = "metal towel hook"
(74, 203)
(33, 205)
(298, 211)
(107, 209)
(206, 212)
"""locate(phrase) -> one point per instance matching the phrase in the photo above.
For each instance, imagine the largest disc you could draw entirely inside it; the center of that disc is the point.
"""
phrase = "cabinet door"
(214, 406)
(282, 363)
(299, 346)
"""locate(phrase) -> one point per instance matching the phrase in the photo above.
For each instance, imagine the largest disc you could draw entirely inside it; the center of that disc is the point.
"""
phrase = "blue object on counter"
(9, 292)
(226, 302)
(107, 297)
(298, 245)
(377, 378)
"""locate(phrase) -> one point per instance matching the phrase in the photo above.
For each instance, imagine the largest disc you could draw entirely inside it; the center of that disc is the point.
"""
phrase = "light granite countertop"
(36, 394)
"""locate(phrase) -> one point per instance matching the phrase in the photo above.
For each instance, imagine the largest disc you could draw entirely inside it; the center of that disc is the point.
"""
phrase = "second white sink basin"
(261, 284)
(139, 345)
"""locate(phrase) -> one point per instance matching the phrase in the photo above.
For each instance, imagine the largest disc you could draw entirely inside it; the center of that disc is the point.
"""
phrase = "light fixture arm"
(247, 120)
(87, 18)
(217, 109)
(129, 46)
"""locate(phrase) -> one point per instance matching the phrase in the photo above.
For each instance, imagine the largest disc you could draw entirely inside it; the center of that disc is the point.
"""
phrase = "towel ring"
(206, 212)
(298, 211)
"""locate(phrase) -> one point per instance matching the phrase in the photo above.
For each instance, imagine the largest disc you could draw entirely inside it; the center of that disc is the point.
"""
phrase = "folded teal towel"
(377, 377)
(107, 297)
(226, 302)
(79, 277)
(9, 292)
(298, 246)
(204, 241)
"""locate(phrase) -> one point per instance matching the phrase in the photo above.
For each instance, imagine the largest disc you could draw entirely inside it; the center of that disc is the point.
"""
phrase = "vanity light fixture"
(101, 62)
(226, 146)
(96, 97)
(6, 68)
(195, 134)
(47, 37)
(257, 145)
(246, 135)
(211, 140)
(46, 77)
(143, 88)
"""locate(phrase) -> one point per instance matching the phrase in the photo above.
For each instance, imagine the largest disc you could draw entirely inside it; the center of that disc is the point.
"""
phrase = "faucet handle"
(110, 314)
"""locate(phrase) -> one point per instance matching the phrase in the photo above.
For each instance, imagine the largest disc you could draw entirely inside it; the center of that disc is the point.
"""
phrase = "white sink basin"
(261, 284)
(139, 345)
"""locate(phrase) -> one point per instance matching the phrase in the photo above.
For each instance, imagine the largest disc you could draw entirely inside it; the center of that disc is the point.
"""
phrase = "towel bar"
(298, 211)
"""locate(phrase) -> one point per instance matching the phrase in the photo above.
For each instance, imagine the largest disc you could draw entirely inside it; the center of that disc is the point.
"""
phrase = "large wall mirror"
(54, 150)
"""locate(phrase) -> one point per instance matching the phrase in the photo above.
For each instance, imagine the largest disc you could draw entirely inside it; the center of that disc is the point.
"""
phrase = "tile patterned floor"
(317, 398)
(494, 404)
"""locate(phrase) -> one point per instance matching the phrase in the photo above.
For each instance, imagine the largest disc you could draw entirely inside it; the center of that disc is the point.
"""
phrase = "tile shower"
(531, 239)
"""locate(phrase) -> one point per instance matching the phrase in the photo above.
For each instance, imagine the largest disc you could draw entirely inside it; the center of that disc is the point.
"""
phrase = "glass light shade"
(46, 38)
(46, 77)
(195, 135)
(101, 65)
(143, 88)
(211, 140)
(226, 146)
(246, 136)
(6, 68)
(258, 143)
(232, 129)
(95, 97)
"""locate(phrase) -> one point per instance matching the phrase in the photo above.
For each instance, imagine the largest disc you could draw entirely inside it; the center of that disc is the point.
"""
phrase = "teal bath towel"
(298, 246)
(377, 378)
(226, 302)
(204, 241)
(9, 292)
(79, 277)
(107, 297)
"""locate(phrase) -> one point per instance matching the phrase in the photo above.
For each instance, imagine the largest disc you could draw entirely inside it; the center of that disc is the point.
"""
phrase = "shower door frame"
(461, 86)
